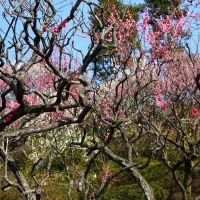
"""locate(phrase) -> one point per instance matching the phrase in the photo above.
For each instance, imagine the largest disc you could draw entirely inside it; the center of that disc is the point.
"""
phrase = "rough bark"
(143, 184)
(23, 185)
(188, 178)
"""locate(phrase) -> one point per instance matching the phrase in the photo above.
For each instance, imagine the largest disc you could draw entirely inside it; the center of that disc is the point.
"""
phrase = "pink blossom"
(195, 112)
(165, 105)
(63, 24)
(158, 91)
(106, 173)
(159, 99)
(8, 118)
(55, 30)
(45, 28)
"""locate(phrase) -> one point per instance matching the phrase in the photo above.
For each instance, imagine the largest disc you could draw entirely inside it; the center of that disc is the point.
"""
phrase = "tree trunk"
(188, 178)
(23, 185)
(31, 197)
(143, 184)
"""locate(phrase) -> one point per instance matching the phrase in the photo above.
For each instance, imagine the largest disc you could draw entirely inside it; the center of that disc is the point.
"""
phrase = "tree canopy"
(99, 96)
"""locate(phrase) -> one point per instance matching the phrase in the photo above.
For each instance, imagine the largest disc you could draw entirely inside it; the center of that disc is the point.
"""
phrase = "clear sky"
(64, 6)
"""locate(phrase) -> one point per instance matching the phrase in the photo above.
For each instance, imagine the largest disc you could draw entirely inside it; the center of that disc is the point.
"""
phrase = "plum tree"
(48, 79)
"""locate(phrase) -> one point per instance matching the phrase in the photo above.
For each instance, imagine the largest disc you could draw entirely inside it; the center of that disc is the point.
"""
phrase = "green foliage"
(11, 194)
(57, 164)
(121, 7)
(159, 8)
(157, 174)
(159, 177)
(104, 63)
(122, 187)
(56, 190)
(124, 192)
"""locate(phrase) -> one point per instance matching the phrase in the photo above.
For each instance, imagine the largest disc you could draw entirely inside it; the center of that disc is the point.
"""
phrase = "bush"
(124, 192)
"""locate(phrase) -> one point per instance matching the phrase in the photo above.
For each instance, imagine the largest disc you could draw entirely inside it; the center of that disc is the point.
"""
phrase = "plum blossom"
(63, 24)
(195, 112)
(45, 28)
(55, 30)
(8, 118)
(159, 99)
(106, 173)
(158, 91)
(165, 105)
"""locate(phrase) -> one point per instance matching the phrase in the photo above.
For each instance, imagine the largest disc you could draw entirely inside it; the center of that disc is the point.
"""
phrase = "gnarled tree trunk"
(143, 184)
(188, 178)
(22, 184)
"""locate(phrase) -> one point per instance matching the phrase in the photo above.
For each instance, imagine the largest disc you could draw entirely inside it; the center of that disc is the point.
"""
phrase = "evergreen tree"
(163, 8)
(104, 63)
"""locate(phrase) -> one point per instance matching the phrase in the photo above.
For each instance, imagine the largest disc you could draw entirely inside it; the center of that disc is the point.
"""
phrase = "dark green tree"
(162, 8)
(104, 63)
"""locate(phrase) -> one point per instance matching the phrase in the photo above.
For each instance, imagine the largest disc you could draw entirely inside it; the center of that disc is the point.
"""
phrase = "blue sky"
(80, 41)
(64, 7)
